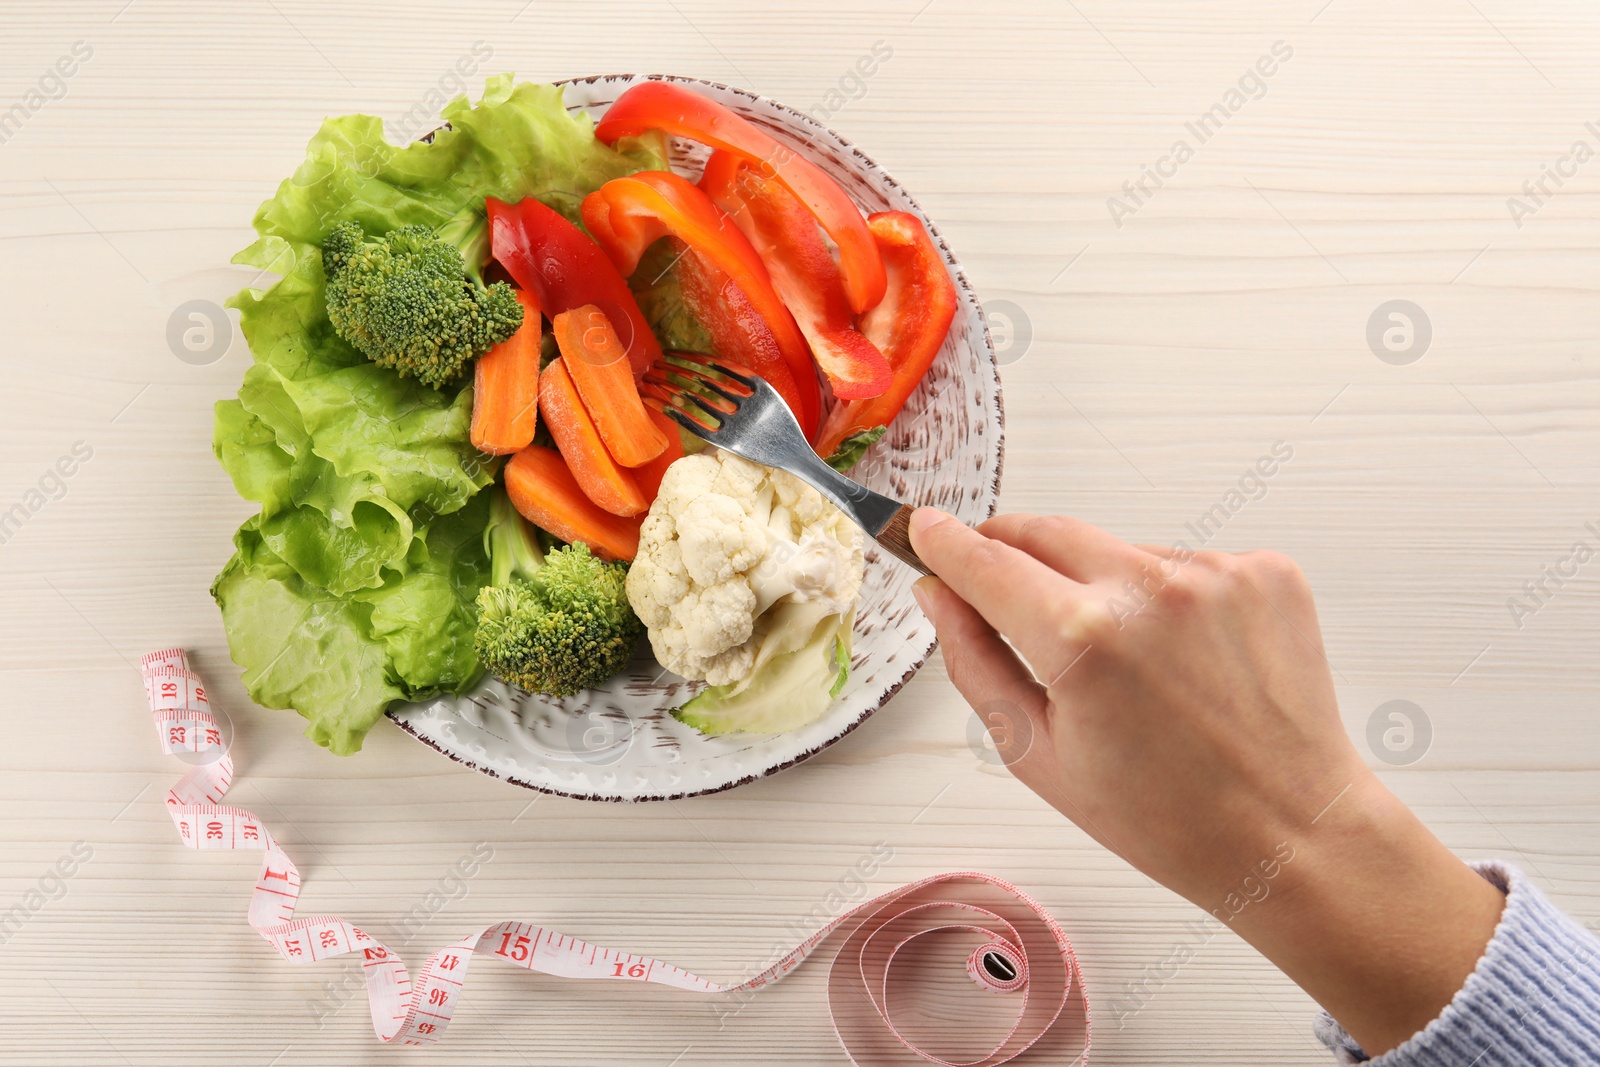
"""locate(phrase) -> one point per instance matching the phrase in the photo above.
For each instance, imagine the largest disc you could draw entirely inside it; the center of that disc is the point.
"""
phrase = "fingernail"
(919, 589)
(923, 518)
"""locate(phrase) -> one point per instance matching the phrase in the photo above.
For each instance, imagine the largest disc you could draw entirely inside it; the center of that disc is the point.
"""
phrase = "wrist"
(1374, 918)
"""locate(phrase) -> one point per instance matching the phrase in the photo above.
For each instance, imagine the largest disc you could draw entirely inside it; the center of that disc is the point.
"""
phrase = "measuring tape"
(1016, 948)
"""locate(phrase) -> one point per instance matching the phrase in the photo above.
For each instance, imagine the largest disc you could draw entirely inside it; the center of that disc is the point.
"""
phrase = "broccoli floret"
(408, 300)
(556, 623)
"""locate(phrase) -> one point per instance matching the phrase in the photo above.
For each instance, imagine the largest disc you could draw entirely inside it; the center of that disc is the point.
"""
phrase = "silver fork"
(755, 423)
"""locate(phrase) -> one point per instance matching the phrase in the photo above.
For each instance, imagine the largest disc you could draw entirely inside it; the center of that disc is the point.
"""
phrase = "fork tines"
(683, 378)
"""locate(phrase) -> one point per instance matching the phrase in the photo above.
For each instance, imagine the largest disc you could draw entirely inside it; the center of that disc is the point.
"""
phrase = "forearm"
(1375, 918)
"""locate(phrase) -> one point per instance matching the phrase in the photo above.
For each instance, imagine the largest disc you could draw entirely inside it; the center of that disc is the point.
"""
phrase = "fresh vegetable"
(657, 105)
(505, 388)
(908, 327)
(656, 285)
(751, 326)
(357, 582)
(608, 485)
(628, 215)
(739, 566)
(852, 448)
(598, 366)
(543, 490)
(802, 270)
(790, 690)
(353, 585)
(553, 624)
(550, 257)
(649, 476)
(407, 300)
(740, 334)
(340, 660)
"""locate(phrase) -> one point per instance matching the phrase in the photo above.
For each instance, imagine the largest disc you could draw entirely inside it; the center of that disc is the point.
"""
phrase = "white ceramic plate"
(621, 742)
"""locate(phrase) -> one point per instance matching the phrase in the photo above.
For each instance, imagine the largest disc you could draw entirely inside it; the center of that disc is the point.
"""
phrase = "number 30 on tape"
(988, 933)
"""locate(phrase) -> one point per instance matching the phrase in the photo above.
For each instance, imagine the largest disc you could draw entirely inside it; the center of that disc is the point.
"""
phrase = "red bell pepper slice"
(908, 327)
(739, 334)
(803, 273)
(724, 283)
(658, 105)
(564, 268)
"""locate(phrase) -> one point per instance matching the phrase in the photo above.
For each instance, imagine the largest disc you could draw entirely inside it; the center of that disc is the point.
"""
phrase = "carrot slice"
(543, 490)
(598, 363)
(608, 485)
(649, 476)
(505, 387)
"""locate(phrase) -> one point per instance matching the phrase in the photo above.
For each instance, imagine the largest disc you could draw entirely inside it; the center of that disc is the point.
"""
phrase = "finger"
(1033, 605)
(1083, 552)
(1164, 551)
(984, 669)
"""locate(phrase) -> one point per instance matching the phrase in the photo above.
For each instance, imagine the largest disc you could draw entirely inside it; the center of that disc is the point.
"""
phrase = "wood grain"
(895, 537)
(1150, 365)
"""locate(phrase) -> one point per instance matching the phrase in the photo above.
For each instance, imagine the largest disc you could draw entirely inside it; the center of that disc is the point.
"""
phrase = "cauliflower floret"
(723, 668)
(804, 501)
(706, 633)
(719, 539)
(742, 480)
(816, 568)
(725, 541)
(714, 618)
(687, 480)
(660, 580)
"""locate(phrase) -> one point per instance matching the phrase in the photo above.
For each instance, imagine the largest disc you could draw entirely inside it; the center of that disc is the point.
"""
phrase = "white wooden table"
(1149, 364)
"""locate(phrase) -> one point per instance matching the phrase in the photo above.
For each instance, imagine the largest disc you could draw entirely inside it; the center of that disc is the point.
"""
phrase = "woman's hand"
(1180, 709)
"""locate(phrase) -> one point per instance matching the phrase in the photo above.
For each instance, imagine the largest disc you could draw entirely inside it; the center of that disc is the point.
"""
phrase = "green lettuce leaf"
(353, 585)
(302, 647)
(426, 619)
(339, 661)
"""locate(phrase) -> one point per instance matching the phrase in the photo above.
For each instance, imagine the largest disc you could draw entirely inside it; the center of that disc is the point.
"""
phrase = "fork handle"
(895, 537)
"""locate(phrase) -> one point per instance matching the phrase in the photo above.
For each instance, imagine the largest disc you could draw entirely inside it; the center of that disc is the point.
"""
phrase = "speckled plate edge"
(969, 305)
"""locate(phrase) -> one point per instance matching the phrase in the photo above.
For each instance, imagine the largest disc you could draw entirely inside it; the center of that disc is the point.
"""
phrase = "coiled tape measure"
(1017, 949)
